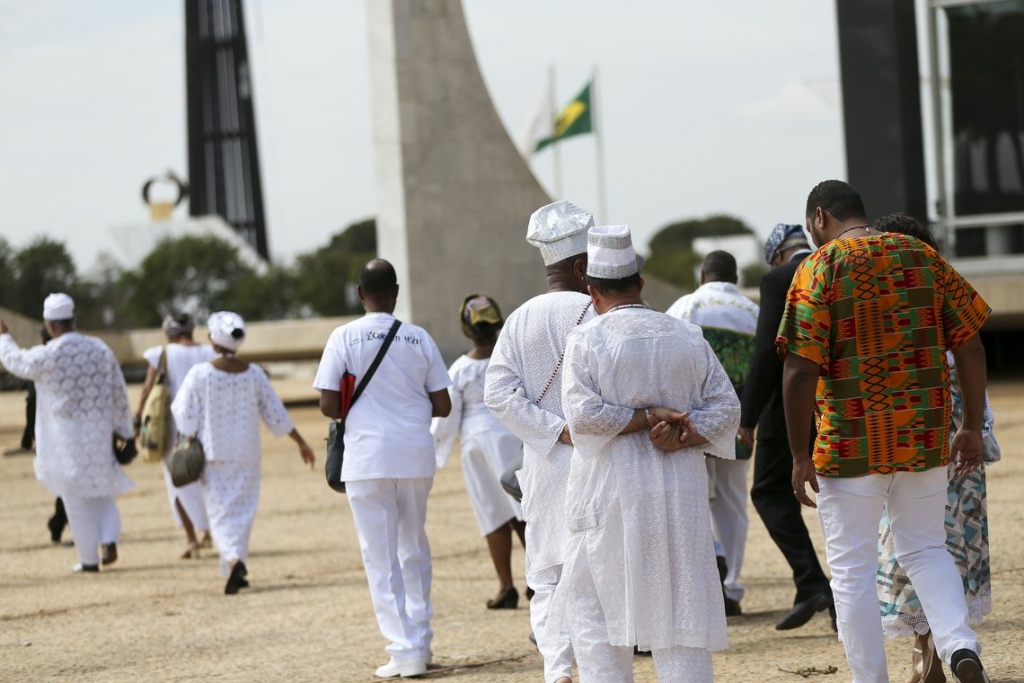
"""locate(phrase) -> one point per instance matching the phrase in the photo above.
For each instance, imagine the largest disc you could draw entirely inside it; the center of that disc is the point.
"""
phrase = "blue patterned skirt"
(967, 541)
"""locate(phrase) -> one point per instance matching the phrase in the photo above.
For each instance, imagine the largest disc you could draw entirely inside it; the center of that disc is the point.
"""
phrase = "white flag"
(539, 124)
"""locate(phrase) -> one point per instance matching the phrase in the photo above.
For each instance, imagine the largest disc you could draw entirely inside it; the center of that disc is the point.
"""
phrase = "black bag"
(336, 431)
(125, 453)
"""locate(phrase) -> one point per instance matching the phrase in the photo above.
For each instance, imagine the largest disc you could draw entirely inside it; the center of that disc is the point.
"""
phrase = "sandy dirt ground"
(307, 617)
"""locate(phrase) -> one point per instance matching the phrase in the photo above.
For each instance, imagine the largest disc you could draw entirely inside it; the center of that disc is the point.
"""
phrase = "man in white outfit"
(729, 321)
(389, 460)
(640, 567)
(523, 390)
(82, 405)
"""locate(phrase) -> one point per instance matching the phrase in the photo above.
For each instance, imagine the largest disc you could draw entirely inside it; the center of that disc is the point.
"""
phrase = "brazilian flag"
(575, 119)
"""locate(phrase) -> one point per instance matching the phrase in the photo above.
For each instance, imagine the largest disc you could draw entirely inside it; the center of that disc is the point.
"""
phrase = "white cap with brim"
(559, 230)
(58, 306)
(610, 254)
(227, 330)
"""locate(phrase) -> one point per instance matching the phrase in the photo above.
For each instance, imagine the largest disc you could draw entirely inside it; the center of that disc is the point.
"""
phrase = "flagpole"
(556, 152)
(602, 201)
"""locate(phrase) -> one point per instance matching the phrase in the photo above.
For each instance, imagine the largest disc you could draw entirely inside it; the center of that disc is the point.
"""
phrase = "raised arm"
(25, 363)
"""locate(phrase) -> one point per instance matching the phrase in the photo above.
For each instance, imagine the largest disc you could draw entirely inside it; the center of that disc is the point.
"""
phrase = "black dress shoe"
(732, 608)
(56, 528)
(237, 579)
(803, 611)
(510, 600)
(967, 668)
(109, 554)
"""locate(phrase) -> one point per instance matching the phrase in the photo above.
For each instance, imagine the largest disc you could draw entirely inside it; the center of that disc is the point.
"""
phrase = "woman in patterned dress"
(221, 403)
(966, 528)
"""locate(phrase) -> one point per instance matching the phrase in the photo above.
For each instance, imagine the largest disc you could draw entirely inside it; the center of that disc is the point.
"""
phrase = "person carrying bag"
(336, 430)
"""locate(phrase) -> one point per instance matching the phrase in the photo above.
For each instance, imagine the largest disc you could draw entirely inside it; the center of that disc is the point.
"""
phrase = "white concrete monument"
(453, 195)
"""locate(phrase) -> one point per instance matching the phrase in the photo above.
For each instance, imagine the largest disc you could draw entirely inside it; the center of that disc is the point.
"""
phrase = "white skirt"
(231, 491)
(484, 457)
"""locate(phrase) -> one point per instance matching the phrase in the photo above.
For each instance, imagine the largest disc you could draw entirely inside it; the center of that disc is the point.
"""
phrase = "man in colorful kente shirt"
(728, 320)
(868, 320)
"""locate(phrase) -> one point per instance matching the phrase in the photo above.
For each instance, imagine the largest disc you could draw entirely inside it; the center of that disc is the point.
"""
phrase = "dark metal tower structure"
(223, 161)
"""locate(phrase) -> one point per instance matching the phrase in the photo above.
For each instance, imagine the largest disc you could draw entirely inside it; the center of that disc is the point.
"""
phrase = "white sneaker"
(407, 668)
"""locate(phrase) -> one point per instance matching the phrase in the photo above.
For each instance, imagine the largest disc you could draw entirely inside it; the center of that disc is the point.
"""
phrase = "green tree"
(672, 256)
(751, 274)
(322, 276)
(41, 268)
(198, 275)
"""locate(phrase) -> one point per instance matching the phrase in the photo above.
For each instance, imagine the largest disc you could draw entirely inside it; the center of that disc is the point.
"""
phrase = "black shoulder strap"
(376, 361)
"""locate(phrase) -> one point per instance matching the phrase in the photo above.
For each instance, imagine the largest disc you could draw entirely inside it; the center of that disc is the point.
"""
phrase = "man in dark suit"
(772, 492)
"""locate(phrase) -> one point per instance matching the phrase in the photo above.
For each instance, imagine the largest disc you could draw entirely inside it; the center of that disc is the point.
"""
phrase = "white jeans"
(729, 521)
(849, 510)
(555, 650)
(93, 521)
(390, 517)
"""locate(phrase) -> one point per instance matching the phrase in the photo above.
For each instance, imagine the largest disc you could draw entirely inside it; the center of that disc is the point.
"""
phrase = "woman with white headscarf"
(180, 353)
(221, 403)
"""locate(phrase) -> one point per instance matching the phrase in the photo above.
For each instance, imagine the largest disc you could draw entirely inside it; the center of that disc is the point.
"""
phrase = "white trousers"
(556, 650)
(191, 498)
(390, 517)
(849, 510)
(93, 521)
(729, 521)
(600, 662)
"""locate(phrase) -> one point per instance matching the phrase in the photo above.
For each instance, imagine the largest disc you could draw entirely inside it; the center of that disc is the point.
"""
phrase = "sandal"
(191, 551)
(510, 600)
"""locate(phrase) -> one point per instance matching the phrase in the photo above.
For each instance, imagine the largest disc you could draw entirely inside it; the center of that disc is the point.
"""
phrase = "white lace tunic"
(224, 408)
(81, 402)
(640, 515)
(523, 365)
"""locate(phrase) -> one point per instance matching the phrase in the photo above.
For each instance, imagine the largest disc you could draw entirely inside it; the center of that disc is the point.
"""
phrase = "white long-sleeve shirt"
(81, 402)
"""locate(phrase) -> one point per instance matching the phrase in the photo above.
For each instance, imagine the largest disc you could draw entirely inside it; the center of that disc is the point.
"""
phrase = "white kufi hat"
(610, 254)
(58, 306)
(559, 230)
(227, 330)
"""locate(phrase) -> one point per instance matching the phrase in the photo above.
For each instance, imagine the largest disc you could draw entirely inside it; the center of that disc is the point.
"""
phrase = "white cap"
(58, 306)
(610, 254)
(559, 230)
(227, 330)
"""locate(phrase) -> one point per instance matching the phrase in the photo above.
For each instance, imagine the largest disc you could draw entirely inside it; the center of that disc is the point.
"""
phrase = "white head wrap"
(227, 330)
(610, 254)
(58, 306)
(559, 230)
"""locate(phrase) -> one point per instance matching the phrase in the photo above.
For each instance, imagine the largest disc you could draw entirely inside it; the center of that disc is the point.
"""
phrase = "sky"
(706, 107)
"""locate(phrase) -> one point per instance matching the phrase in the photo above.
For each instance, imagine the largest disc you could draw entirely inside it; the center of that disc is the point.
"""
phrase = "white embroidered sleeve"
(25, 363)
(505, 397)
(271, 406)
(187, 407)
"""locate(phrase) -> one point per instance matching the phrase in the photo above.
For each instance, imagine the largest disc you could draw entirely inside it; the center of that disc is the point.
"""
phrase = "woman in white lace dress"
(182, 352)
(487, 447)
(221, 403)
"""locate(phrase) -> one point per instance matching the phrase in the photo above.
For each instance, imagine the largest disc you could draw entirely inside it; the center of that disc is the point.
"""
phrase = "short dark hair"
(377, 277)
(905, 224)
(608, 287)
(838, 198)
(720, 266)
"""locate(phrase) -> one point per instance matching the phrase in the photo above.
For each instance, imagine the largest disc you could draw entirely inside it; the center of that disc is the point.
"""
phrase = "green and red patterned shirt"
(876, 314)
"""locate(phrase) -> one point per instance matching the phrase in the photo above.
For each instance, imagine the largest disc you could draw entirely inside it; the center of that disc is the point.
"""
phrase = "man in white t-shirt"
(389, 460)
